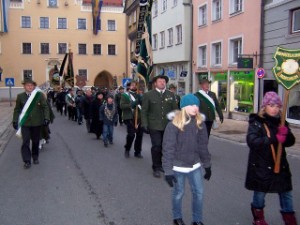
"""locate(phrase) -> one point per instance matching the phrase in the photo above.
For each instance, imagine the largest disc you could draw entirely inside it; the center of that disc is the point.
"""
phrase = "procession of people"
(179, 129)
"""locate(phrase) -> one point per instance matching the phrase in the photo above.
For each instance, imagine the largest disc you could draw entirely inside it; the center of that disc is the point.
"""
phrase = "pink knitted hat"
(271, 98)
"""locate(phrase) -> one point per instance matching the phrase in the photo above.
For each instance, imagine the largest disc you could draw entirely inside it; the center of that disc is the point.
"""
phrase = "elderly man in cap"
(157, 103)
(209, 104)
(30, 113)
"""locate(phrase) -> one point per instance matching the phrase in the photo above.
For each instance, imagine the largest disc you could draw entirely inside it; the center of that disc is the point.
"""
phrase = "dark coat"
(39, 113)
(128, 106)
(207, 110)
(87, 107)
(185, 148)
(260, 169)
(96, 125)
(155, 109)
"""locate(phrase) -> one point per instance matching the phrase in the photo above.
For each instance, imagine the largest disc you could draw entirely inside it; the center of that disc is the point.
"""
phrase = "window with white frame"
(62, 48)
(154, 44)
(202, 54)
(164, 5)
(202, 15)
(82, 73)
(82, 49)
(26, 22)
(26, 48)
(81, 24)
(216, 10)
(111, 50)
(45, 48)
(216, 54)
(97, 49)
(155, 7)
(44, 22)
(179, 34)
(236, 6)
(111, 25)
(170, 33)
(27, 74)
(235, 49)
(296, 20)
(175, 2)
(162, 39)
(62, 23)
(52, 3)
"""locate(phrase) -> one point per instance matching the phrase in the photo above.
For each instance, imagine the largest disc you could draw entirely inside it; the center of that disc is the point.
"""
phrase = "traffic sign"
(9, 82)
(125, 81)
(260, 72)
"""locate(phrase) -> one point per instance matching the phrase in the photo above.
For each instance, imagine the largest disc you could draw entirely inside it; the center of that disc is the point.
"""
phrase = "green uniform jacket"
(155, 109)
(39, 113)
(128, 106)
(207, 110)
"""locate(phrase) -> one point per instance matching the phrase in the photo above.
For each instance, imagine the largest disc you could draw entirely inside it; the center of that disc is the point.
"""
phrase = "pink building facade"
(223, 31)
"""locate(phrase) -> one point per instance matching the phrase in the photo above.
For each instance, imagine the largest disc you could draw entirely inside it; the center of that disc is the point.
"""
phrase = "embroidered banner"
(143, 51)
(287, 67)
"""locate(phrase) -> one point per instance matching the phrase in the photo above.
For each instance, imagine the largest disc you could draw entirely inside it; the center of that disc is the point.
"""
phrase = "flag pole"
(282, 123)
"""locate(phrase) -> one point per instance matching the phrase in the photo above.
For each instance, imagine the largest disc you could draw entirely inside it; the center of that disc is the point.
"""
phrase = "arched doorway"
(104, 80)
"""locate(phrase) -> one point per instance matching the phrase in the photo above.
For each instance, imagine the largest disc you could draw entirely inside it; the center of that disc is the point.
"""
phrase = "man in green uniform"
(157, 103)
(130, 105)
(30, 113)
(173, 88)
(208, 104)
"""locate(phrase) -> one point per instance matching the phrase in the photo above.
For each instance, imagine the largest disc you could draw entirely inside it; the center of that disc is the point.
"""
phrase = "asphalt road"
(79, 182)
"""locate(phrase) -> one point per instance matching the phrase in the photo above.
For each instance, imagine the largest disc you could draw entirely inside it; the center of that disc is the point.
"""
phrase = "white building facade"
(172, 42)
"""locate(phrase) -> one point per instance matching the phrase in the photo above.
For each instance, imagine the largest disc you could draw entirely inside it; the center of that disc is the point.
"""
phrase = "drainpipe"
(190, 4)
(261, 50)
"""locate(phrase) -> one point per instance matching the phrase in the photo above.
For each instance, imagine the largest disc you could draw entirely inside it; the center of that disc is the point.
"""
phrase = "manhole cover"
(232, 132)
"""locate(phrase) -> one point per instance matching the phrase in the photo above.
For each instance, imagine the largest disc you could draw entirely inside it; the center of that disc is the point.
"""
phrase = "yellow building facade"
(40, 32)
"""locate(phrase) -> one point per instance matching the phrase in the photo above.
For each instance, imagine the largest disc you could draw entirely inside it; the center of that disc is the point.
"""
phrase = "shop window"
(241, 91)
(219, 86)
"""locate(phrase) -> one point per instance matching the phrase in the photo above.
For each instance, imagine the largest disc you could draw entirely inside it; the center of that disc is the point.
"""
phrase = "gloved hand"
(283, 130)
(170, 179)
(207, 174)
(46, 122)
(146, 130)
(221, 119)
(15, 125)
(281, 134)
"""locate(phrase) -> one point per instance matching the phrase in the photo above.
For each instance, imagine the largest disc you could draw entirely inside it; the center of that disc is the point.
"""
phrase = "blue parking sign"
(9, 82)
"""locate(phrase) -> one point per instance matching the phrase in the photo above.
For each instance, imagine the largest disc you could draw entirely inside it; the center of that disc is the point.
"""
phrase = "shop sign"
(242, 75)
(245, 63)
(260, 73)
(220, 76)
(286, 69)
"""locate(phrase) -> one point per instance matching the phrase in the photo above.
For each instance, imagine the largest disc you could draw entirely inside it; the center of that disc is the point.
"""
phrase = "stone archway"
(104, 80)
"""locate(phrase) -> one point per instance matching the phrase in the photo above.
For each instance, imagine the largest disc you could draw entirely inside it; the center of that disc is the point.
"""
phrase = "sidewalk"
(233, 130)
(236, 130)
(6, 129)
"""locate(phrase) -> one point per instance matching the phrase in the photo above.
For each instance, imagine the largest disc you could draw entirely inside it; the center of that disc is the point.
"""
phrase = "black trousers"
(156, 149)
(208, 126)
(120, 116)
(135, 135)
(33, 134)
